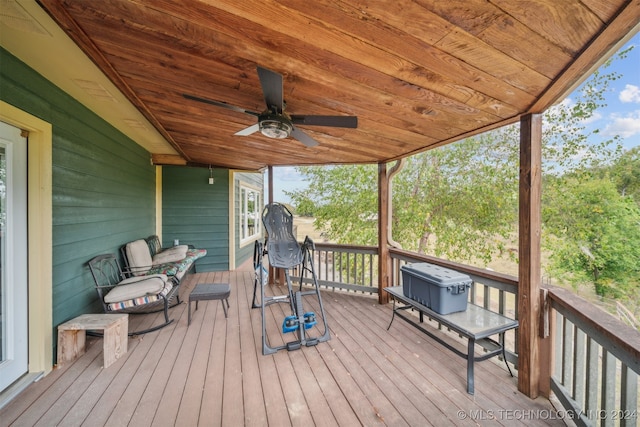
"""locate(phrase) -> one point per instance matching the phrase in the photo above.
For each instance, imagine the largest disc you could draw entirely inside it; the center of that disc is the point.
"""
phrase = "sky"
(621, 116)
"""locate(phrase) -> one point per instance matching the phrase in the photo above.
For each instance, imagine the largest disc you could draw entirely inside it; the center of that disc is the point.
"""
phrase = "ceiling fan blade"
(303, 137)
(332, 121)
(219, 104)
(271, 83)
(248, 131)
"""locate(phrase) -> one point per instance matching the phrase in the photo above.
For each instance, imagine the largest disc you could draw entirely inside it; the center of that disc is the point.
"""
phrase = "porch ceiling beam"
(167, 159)
(529, 254)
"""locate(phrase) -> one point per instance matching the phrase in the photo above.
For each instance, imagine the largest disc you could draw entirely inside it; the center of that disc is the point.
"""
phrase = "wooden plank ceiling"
(417, 74)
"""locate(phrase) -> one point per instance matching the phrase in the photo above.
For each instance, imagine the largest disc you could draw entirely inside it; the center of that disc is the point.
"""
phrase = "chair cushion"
(121, 305)
(137, 287)
(138, 257)
(179, 268)
(172, 254)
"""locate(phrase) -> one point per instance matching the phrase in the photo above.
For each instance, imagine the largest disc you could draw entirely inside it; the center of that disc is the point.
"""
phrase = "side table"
(72, 335)
(210, 291)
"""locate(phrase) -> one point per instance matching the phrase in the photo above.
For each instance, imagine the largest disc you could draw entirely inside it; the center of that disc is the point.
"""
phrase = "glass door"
(13, 256)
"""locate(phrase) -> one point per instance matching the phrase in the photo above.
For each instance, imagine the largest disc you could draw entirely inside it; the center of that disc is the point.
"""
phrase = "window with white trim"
(250, 223)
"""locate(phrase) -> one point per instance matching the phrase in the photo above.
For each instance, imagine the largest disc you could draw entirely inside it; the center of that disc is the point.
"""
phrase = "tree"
(625, 173)
(596, 235)
(465, 192)
(460, 201)
(343, 200)
(568, 147)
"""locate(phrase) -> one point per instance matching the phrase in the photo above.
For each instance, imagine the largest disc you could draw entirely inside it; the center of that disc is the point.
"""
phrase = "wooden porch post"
(275, 275)
(383, 225)
(529, 254)
(270, 183)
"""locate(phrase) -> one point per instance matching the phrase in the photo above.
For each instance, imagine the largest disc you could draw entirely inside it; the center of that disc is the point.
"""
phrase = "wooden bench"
(72, 336)
(477, 324)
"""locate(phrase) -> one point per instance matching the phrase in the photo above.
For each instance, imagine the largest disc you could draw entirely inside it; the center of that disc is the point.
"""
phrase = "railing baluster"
(472, 292)
(579, 359)
(487, 298)
(608, 398)
(362, 282)
(322, 269)
(567, 356)
(559, 344)
(370, 270)
(333, 266)
(628, 397)
(593, 368)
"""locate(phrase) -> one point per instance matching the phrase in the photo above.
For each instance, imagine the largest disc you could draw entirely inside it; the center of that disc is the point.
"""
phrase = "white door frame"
(15, 305)
(40, 243)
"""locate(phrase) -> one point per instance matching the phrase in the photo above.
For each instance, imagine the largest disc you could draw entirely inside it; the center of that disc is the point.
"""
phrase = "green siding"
(103, 185)
(253, 180)
(197, 213)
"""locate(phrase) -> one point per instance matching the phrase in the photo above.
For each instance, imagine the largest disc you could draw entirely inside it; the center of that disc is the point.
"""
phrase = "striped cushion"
(137, 292)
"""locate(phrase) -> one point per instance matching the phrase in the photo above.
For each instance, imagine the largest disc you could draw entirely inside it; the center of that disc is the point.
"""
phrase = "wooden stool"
(72, 334)
(210, 291)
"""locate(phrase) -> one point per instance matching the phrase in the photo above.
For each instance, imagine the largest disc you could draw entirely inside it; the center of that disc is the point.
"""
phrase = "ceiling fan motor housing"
(275, 125)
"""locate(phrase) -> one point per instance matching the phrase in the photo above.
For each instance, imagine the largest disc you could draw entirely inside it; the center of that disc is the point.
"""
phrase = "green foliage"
(590, 227)
(344, 201)
(625, 173)
(460, 201)
(567, 145)
(464, 194)
(596, 235)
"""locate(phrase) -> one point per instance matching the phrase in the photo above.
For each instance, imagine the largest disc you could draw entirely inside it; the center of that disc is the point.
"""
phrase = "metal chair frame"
(286, 253)
(107, 274)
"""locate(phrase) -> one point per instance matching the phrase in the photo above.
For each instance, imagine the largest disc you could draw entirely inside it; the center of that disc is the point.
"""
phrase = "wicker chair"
(136, 294)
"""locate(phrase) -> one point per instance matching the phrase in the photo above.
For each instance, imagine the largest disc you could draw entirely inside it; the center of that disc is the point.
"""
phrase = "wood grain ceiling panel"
(418, 74)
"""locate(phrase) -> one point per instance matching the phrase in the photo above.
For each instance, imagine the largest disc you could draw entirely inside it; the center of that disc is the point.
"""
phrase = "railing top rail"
(620, 339)
(475, 271)
(347, 248)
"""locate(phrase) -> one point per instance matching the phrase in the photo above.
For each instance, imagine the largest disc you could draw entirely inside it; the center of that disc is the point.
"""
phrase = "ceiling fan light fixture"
(277, 129)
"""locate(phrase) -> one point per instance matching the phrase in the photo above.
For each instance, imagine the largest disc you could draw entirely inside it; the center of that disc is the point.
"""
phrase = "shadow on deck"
(213, 373)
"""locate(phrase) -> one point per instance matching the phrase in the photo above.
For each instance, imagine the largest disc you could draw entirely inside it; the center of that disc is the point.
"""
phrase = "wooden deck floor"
(213, 373)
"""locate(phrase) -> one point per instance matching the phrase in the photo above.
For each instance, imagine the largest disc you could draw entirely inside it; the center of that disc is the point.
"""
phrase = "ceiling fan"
(273, 122)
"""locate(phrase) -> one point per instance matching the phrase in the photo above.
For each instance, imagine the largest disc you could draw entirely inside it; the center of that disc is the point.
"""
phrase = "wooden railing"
(597, 357)
(355, 268)
(597, 362)
(348, 267)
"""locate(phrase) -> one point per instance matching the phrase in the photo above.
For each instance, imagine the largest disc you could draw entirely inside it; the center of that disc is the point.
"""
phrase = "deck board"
(213, 373)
